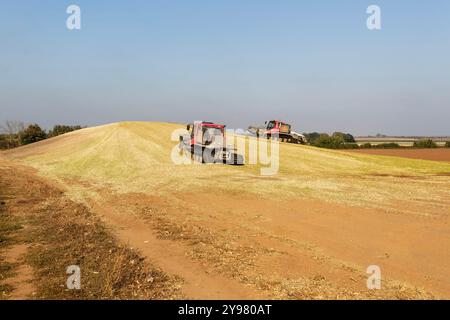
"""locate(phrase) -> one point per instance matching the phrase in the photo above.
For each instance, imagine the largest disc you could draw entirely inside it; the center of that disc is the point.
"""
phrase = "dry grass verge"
(60, 233)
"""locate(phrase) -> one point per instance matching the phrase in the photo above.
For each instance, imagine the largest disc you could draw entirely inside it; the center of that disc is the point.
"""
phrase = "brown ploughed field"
(439, 154)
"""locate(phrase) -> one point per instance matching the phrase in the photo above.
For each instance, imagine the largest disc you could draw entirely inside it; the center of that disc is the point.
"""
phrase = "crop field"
(404, 142)
(217, 231)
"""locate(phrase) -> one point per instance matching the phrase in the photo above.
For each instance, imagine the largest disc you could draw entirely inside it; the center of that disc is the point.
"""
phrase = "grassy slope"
(135, 157)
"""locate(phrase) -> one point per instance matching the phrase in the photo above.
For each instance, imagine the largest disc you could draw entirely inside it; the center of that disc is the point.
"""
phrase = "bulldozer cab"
(212, 136)
(206, 143)
(208, 134)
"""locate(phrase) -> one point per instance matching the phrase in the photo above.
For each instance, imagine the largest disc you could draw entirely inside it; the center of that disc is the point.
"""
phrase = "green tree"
(11, 133)
(426, 144)
(347, 137)
(33, 133)
(311, 137)
(333, 142)
(62, 129)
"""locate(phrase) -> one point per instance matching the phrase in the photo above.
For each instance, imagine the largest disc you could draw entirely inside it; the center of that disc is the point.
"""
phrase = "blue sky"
(312, 63)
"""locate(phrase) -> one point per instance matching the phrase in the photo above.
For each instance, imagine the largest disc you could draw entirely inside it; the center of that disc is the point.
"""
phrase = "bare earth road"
(199, 282)
(310, 249)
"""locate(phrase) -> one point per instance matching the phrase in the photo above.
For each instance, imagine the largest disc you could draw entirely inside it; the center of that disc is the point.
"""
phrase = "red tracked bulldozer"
(206, 142)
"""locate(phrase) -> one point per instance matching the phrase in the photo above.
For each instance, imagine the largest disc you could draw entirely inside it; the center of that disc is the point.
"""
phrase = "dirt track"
(308, 250)
(440, 154)
(199, 283)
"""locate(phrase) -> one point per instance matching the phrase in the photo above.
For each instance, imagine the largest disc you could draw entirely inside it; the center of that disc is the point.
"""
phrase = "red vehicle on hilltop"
(275, 128)
(206, 143)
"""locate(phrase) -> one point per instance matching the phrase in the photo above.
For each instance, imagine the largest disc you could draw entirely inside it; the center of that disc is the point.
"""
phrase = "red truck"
(282, 129)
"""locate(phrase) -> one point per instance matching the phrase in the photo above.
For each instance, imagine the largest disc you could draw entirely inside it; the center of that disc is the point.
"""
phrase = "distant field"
(438, 154)
(403, 141)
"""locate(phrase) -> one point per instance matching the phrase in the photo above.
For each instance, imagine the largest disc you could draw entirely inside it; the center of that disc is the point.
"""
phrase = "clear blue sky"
(312, 63)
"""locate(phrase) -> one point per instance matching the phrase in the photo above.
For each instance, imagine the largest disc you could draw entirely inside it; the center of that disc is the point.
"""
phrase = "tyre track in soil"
(21, 280)
(171, 256)
(14, 253)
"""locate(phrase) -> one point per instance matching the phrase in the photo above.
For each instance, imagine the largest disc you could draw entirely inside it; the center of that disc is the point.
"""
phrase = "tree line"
(15, 133)
(340, 140)
(337, 140)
